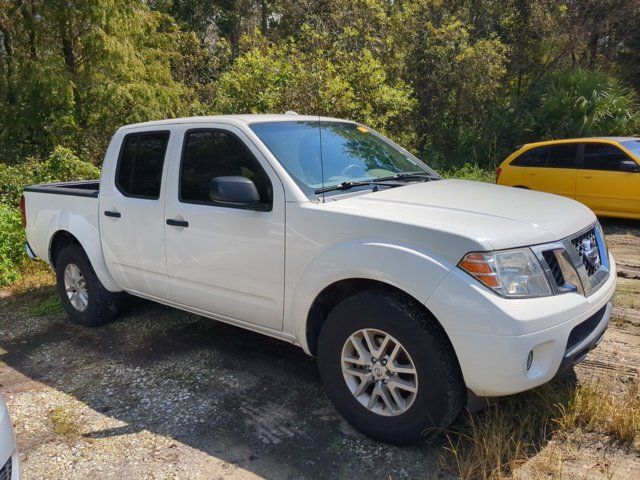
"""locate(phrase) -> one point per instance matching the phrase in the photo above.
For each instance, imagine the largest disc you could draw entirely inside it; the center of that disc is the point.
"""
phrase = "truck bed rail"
(86, 188)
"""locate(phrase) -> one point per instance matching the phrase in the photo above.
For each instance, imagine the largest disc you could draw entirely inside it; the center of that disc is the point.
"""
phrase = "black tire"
(102, 306)
(441, 393)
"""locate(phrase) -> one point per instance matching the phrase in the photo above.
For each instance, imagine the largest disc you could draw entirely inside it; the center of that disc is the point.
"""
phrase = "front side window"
(602, 156)
(139, 170)
(319, 154)
(536, 157)
(216, 153)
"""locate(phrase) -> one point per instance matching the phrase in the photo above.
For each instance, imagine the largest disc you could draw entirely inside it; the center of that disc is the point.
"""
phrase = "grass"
(63, 420)
(493, 443)
(48, 306)
(596, 407)
(34, 275)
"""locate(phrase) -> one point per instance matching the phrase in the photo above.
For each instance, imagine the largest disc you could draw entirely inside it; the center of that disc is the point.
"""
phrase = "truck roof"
(234, 119)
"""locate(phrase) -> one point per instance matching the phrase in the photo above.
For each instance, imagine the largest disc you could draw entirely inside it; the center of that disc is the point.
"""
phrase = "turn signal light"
(478, 265)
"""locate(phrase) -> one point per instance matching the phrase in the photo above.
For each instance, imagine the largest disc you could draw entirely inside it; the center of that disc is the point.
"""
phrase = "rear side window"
(139, 170)
(562, 156)
(215, 153)
(602, 156)
(536, 157)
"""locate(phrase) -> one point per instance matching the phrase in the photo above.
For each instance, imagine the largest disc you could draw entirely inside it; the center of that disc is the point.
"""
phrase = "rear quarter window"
(536, 157)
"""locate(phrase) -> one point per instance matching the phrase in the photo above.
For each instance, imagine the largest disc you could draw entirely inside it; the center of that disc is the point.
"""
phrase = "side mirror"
(234, 191)
(629, 166)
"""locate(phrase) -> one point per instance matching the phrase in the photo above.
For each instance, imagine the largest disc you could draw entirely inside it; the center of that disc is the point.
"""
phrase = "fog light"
(529, 360)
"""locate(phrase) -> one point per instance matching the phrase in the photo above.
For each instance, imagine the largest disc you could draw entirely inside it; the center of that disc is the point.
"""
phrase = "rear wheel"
(389, 368)
(84, 298)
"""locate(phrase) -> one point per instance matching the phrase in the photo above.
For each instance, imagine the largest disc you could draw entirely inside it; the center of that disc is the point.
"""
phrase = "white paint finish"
(48, 214)
(230, 264)
(228, 261)
(493, 336)
(7, 441)
(133, 244)
(493, 216)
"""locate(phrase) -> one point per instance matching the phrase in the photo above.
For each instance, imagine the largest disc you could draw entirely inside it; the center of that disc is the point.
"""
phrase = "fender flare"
(417, 271)
(88, 235)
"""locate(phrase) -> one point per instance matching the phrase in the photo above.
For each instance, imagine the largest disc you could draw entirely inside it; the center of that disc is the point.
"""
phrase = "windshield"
(323, 154)
(633, 145)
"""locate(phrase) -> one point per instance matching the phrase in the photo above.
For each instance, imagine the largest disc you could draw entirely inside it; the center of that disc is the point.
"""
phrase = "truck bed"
(85, 188)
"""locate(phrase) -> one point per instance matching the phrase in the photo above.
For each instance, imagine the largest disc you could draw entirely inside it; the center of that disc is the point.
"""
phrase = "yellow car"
(603, 173)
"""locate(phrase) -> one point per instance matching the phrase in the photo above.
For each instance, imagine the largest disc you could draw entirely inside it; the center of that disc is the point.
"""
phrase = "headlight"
(510, 273)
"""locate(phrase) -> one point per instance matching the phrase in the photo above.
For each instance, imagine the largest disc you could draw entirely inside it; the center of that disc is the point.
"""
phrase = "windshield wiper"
(347, 185)
(408, 176)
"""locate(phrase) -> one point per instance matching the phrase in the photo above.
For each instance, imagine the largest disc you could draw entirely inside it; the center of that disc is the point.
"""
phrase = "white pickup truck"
(415, 293)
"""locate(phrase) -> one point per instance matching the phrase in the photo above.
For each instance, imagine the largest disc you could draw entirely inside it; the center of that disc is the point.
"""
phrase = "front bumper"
(492, 336)
(9, 468)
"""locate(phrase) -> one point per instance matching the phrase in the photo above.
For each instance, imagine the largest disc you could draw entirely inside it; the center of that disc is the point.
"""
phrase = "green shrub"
(582, 103)
(13, 179)
(11, 244)
(470, 171)
(63, 166)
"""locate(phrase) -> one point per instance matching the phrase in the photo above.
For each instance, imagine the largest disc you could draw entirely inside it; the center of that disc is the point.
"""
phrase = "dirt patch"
(165, 394)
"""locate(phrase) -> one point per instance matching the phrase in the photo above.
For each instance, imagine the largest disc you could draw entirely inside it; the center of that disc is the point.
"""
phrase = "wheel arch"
(340, 290)
(84, 237)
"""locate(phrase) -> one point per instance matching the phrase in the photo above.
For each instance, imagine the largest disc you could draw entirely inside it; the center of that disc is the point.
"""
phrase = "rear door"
(553, 169)
(602, 185)
(132, 213)
(221, 259)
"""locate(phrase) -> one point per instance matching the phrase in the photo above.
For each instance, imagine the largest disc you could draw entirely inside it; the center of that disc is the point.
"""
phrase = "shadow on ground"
(241, 397)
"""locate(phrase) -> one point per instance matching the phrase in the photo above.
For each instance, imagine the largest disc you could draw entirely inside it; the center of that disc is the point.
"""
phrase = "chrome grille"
(5, 472)
(554, 267)
(588, 251)
(579, 263)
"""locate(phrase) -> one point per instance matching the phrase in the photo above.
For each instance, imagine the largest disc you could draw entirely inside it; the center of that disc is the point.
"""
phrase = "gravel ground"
(165, 394)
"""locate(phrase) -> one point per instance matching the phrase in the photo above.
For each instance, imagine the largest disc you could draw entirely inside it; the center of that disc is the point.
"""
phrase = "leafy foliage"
(11, 241)
(583, 103)
(313, 76)
(460, 82)
(62, 165)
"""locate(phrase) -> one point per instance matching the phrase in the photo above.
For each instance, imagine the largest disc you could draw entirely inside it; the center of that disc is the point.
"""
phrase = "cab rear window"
(139, 170)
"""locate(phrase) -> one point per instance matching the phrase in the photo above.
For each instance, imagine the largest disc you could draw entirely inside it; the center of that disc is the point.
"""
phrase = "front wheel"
(389, 368)
(84, 298)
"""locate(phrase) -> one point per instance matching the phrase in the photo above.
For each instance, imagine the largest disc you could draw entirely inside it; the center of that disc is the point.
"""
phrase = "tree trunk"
(7, 43)
(593, 48)
(264, 15)
(29, 25)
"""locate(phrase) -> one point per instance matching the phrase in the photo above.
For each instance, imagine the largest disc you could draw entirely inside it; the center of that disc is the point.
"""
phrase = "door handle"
(177, 223)
(110, 213)
(532, 174)
(588, 177)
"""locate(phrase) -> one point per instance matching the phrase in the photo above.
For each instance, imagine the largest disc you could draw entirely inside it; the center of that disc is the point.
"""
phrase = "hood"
(492, 216)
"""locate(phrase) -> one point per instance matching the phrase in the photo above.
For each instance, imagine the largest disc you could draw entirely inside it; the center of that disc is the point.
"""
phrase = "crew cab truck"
(414, 293)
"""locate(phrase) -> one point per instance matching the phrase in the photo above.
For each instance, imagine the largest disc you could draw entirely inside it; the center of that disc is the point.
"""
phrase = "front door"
(603, 185)
(224, 259)
(132, 213)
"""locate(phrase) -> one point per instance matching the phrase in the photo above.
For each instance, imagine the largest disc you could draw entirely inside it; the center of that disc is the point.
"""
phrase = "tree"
(313, 76)
(576, 103)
